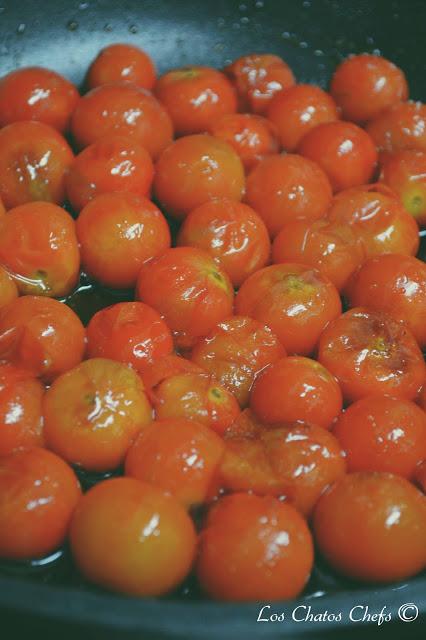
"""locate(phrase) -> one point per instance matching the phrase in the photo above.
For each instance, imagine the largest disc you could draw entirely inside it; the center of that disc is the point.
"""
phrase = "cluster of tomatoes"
(288, 418)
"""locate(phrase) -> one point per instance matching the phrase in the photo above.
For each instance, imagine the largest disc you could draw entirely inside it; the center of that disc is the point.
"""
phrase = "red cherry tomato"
(121, 62)
(160, 369)
(402, 126)
(405, 173)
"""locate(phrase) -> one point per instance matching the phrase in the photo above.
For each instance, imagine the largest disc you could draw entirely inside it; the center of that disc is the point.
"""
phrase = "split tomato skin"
(155, 372)
(405, 173)
(121, 63)
(402, 126)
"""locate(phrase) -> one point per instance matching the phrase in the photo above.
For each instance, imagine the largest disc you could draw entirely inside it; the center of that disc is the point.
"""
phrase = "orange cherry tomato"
(150, 548)
(34, 159)
(402, 126)
(394, 284)
(179, 456)
(130, 332)
(378, 218)
(195, 396)
(118, 233)
(121, 63)
(232, 233)
(254, 549)
(343, 150)
(251, 136)
(21, 422)
(332, 247)
(34, 93)
(257, 78)
(364, 85)
(160, 369)
(93, 412)
(299, 109)
(190, 292)
(39, 249)
(294, 300)
(367, 518)
(380, 433)
(196, 169)
(114, 163)
(371, 353)
(282, 188)
(405, 173)
(41, 335)
(122, 109)
(195, 97)
(235, 353)
(8, 288)
(296, 389)
(38, 494)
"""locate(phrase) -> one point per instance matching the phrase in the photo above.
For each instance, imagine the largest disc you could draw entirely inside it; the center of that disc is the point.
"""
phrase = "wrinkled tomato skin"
(160, 369)
(405, 173)
(402, 126)
(121, 63)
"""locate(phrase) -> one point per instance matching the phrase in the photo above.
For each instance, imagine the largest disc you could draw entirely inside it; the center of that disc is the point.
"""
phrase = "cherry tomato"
(41, 335)
(114, 163)
(34, 93)
(405, 173)
(118, 233)
(232, 232)
(257, 78)
(332, 247)
(8, 288)
(402, 126)
(395, 284)
(122, 109)
(343, 150)
(195, 396)
(282, 188)
(420, 476)
(93, 412)
(179, 456)
(39, 249)
(34, 159)
(21, 422)
(378, 218)
(294, 300)
(296, 389)
(121, 63)
(196, 169)
(190, 292)
(150, 548)
(251, 136)
(364, 85)
(380, 433)
(195, 97)
(367, 518)
(160, 369)
(38, 494)
(2, 208)
(299, 109)
(371, 353)
(235, 353)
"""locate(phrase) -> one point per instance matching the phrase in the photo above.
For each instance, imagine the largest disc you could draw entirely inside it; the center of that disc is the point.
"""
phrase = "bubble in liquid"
(83, 6)
(107, 27)
(259, 4)
(72, 25)
(21, 28)
(133, 28)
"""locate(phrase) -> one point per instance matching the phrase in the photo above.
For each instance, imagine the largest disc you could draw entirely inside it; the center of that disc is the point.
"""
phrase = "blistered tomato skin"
(381, 433)
(405, 173)
(294, 300)
(365, 519)
(394, 284)
(282, 188)
(34, 93)
(235, 352)
(402, 126)
(254, 549)
(41, 335)
(21, 421)
(232, 232)
(148, 551)
(371, 353)
(38, 494)
(121, 63)
(122, 109)
(34, 159)
(8, 288)
(365, 85)
(190, 292)
(118, 233)
(93, 412)
(195, 169)
(299, 109)
(39, 248)
(179, 456)
(296, 389)
(114, 163)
